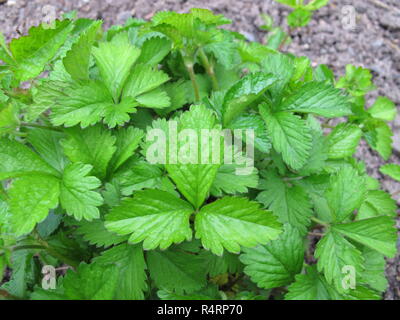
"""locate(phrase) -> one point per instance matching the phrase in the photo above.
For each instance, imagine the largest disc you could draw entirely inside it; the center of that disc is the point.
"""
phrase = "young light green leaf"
(154, 50)
(76, 194)
(392, 170)
(156, 217)
(383, 109)
(232, 222)
(115, 60)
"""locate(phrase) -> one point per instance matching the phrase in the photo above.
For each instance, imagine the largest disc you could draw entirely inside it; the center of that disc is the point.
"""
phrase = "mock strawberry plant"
(173, 159)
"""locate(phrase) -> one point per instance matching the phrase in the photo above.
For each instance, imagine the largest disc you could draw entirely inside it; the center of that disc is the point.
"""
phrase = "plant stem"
(316, 220)
(189, 68)
(209, 68)
(34, 125)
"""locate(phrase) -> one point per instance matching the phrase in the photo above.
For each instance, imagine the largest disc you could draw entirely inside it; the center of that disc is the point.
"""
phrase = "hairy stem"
(30, 246)
(209, 68)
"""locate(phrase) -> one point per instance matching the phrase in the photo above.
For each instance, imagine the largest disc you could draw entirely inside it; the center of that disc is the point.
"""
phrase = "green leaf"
(381, 140)
(311, 286)
(275, 264)
(291, 204)
(376, 233)
(253, 121)
(318, 98)
(156, 217)
(345, 194)
(358, 81)
(96, 233)
(383, 109)
(290, 136)
(76, 194)
(154, 50)
(228, 182)
(392, 170)
(243, 93)
(144, 78)
(18, 160)
(127, 141)
(76, 61)
(47, 144)
(232, 222)
(176, 270)
(194, 179)
(27, 211)
(343, 141)
(218, 265)
(115, 60)
(157, 99)
(374, 273)
(34, 51)
(131, 270)
(376, 203)
(299, 18)
(334, 253)
(91, 282)
(94, 145)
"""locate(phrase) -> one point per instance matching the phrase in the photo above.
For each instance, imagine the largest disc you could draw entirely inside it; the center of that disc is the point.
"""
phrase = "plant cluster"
(78, 193)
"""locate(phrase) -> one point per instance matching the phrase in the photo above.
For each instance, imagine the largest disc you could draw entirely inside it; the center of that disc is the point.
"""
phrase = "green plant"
(78, 110)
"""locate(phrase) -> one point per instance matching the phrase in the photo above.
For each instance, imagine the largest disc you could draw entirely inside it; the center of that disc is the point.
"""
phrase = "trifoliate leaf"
(94, 146)
(276, 263)
(346, 193)
(291, 204)
(243, 93)
(290, 136)
(383, 109)
(193, 178)
(91, 282)
(115, 60)
(131, 270)
(392, 170)
(358, 81)
(343, 141)
(334, 253)
(232, 222)
(318, 98)
(376, 203)
(27, 211)
(376, 233)
(76, 194)
(156, 217)
(18, 160)
(32, 52)
(177, 270)
(299, 18)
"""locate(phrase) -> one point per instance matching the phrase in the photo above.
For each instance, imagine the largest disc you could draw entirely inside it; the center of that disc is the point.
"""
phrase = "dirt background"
(374, 43)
